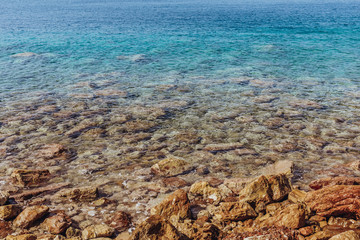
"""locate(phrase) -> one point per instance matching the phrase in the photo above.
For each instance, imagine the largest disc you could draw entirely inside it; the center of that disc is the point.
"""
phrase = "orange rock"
(29, 216)
(156, 228)
(177, 204)
(8, 212)
(339, 200)
(120, 221)
(293, 217)
(222, 147)
(26, 178)
(234, 211)
(58, 223)
(331, 181)
(81, 194)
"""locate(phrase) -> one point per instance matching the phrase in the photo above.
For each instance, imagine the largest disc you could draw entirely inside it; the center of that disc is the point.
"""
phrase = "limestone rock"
(97, 231)
(156, 228)
(280, 186)
(58, 223)
(175, 205)
(280, 167)
(222, 147)
(339, 200)
(204, 189)
(171, 166)
(120, 221)
(26, 178)
(293, 217)
(234, 211)
(81, 194)
(349, 235)
(257, 192)
(21, 237)
(3, 197)
(8, 212)
(29, 216)
(331, 181)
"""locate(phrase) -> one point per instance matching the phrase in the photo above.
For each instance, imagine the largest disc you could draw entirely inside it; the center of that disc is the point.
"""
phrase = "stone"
(234, 211)
(72, 232)
(348, 235)
(174, 182)
(244, 152)
(24, 55)
(81, 194)
(50, 151)
(296, 196)
(332, 181)
(27, 194)
(272, 233)
(120, 221)
(274, 123)
(58, 223)
(265, 99)
(176, 205)
(156, 228)
(280, 186)
(3, 197)
(257, 193)
(9, 212)
(206, 191)
(29, 216)
(338, 200)
(292, 216)
(97, 231)
(5, 229)
(222, 147)
(322, 235)
(306, 231)
(236, 184)
(21, 237)
(279, 167)
(207, 231)
(111, 93)
(305, 103)
(170, 167)
(29, 178)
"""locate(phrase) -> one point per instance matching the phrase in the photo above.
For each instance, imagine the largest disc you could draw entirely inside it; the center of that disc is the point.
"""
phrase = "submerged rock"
(81, 194)
(24, 55)
(58, 223)
(26, 178)
(120, 221)
(170, 167)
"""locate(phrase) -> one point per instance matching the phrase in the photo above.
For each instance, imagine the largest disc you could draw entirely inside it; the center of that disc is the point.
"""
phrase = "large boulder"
(234, 211)
(176, 205)
(29, 216)
(338, 200)
(332, 181)
(156, 228)
(206, 191)
(348, 235)
(9, 212)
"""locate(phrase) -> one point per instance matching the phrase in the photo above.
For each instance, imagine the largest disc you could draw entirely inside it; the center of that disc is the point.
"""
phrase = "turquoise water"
(177, 42)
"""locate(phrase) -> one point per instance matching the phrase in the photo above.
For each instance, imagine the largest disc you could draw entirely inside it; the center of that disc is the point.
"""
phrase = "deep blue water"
(145, 42)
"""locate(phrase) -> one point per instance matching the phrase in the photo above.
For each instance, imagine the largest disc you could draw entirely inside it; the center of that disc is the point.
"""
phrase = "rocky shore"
(264, 207)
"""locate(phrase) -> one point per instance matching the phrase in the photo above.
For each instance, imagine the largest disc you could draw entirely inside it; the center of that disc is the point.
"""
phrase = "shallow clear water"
(123, 84)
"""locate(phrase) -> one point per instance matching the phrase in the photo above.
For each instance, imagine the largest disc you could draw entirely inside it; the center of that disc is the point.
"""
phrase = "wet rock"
(24, 55)
(139, 125)
(9, 212)
(262, 83)
(29, 216)
(320, 183)
(3, 197)
(156, 228)
(339, 200)
(234, 211)
(280, 167)
(206, 191)
(349, 235)
(170, 167)
(174, 182)
(237, 184)
(265, 99)
(111, 93)
(120, 221)
(97, 231)
(306, 231)
(50, 151)
(293, 217)
(304, 103)
(21, 237)
(344, 222)
(222, 147)
(72, 232)
(274, 123)
(285, 146)
(202, 170)
(58, 223)
(176, 205)
(30, 178)
(27, 194)
(81, 194)
(244, 152)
